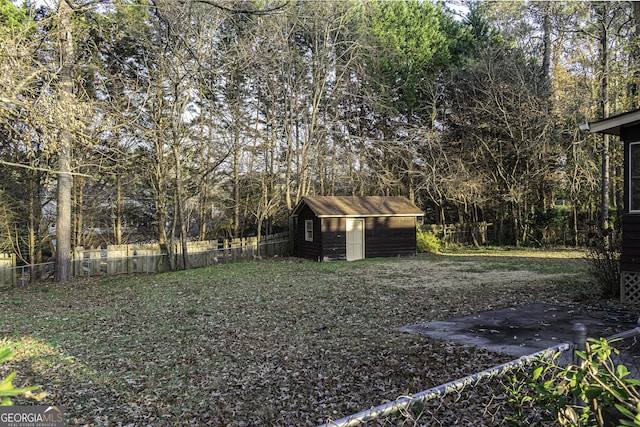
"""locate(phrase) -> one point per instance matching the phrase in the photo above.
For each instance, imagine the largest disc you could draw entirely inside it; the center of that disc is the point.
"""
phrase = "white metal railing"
(405, 402)
(567, 356)
(24, 274)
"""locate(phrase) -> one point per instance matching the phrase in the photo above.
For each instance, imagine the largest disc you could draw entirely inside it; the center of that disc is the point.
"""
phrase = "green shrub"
(6, 385)
(427, 242)
(595, 392)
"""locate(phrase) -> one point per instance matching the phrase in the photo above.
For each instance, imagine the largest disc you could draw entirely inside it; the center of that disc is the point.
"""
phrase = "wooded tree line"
(124, 120)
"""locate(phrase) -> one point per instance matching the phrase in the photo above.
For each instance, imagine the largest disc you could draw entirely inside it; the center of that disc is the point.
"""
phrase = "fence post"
(579, 344)
(579, 340)
(23, 280)
(77, 258)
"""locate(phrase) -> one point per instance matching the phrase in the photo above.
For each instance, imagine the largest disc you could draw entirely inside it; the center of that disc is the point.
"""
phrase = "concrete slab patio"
(526, 329)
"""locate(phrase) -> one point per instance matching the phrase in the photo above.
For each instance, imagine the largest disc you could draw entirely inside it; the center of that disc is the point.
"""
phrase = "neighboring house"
(343, 227)
(627, 127)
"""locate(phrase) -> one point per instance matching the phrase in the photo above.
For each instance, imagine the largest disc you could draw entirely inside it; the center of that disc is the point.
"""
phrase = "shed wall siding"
(304, 249)
(383, 237)
(390, 237)
(630, 254)
(334, 239)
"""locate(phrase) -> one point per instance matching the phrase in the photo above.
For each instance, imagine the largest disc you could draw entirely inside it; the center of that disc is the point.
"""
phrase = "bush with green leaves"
(7, 391)
(595, 392)
(427, 242)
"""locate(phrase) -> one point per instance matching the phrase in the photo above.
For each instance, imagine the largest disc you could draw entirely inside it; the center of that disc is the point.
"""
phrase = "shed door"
(355, 239)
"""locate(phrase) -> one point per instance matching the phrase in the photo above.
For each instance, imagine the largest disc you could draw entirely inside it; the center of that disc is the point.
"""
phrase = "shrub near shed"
(427, 242)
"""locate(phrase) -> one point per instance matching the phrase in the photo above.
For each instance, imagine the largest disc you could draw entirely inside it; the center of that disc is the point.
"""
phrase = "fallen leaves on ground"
(260, 343)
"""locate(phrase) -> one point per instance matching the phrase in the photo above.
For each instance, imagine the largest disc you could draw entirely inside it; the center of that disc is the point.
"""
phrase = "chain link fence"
(26, 274)
(490, 397)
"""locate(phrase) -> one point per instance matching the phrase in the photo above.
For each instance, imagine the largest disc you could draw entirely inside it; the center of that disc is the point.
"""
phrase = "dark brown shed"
(627, 127)
(348, 227)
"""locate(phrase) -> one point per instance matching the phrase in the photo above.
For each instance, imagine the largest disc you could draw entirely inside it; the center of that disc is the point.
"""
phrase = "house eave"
(613, 125)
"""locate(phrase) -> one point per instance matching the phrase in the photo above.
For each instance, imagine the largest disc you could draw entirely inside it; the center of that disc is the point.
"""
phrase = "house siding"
(627, 126)
(630, 134)
(630, 253)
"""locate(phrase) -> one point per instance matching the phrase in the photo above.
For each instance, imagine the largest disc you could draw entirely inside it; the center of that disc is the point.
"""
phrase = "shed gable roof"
(358, 206)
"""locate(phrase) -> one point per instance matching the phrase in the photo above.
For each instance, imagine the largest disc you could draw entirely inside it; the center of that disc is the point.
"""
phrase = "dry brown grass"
(263, 343)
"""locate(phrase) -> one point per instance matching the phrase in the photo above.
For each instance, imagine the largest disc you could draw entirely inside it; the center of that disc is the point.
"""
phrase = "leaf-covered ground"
(278, 342)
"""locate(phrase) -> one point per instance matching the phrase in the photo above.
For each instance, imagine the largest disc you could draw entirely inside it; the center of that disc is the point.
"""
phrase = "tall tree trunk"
(161, 190)
(117, 221)
(64, 178)
(574, 223)
(605, 107)
(236, 181)
(202, 212)
(35, 221)
(77, 211)
(635, 56)
(289, 138)
(604, 218)
(546, 53)
(182, 224)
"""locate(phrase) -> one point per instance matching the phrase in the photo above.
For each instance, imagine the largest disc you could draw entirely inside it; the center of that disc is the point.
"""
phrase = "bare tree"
(508, 132)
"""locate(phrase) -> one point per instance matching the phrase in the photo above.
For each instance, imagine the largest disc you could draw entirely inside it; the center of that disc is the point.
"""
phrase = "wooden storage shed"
(343, 227)
(627, 127)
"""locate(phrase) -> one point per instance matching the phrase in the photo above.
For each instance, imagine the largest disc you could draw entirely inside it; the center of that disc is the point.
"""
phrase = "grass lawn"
(277, 342)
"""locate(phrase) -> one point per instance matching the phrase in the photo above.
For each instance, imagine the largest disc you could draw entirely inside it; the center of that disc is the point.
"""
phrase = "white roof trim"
(613, 124)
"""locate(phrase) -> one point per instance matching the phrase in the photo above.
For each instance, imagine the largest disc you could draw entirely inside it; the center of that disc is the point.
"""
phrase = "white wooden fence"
(7, 272)
(152, 258)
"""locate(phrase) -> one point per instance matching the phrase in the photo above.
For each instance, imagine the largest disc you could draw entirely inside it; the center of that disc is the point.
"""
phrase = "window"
(308, 230)
(634, 177)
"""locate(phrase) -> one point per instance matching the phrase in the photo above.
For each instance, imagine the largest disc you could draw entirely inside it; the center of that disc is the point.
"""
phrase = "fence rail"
(149, 259)
(25, 274)
(465, 394)
(404, 403)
